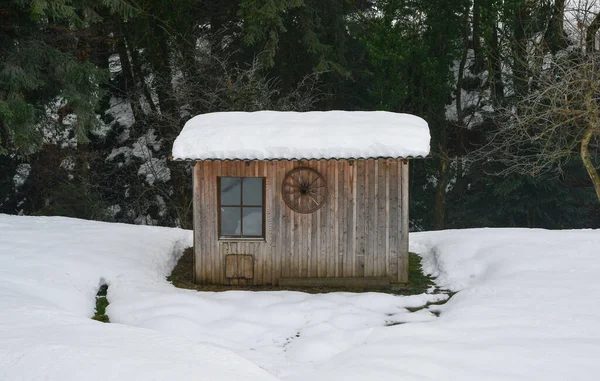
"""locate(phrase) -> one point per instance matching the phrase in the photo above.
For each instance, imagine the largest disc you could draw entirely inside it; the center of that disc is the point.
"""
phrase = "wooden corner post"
(404, 225)
(196, 264)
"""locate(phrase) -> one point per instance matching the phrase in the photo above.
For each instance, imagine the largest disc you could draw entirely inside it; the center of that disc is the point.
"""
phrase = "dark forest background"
(93, 94)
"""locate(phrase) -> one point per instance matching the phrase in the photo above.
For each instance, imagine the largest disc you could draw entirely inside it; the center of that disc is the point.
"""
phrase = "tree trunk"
(593, 128)
(520, 71)
(476, 36)
(590, 34)
(495, 67)
(130, 87)
(440, 194)
(137, 72)
(459, 82)
(587, 161)
(554, 35)
(162, 66)
(4, 136)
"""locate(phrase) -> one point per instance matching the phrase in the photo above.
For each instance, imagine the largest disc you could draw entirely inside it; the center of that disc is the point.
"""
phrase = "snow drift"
(525, 310)
(50, 271)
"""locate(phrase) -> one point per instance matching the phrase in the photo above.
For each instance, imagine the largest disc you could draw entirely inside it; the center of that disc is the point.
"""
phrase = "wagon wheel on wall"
(304, 190)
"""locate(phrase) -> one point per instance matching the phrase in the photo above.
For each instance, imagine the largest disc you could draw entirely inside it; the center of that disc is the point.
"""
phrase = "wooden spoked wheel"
(304, 190)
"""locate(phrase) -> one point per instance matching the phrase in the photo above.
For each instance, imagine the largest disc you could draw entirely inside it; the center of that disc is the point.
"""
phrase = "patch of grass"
(393, 323)
(101, 304)
(438, 303)
(435, 312)
(418, 282)
(182, 277)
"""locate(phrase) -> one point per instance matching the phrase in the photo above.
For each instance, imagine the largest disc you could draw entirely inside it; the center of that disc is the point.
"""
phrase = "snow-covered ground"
(527, 309)
(50, 270)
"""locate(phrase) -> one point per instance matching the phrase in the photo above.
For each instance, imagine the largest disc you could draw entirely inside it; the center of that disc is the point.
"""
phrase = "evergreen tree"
(43, 71)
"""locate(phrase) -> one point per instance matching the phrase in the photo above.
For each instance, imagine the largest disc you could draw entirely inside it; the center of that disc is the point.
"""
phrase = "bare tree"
(557, 120)
(210, 83)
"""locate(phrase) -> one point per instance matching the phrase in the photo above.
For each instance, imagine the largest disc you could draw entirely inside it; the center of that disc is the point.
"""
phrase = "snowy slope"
(527, 309)
(50, 270)
(284, 332)
(264, 135)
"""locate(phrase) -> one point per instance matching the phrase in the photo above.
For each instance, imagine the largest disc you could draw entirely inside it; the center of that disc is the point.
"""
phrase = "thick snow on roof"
(265, 135)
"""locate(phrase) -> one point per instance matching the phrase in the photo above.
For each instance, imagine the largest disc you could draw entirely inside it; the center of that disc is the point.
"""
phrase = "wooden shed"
(314, 198)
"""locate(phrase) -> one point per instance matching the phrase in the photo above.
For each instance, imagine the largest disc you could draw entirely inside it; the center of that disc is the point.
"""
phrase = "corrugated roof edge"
(306, 159)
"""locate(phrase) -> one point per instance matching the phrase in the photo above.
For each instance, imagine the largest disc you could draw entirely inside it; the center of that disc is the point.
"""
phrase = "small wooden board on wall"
(239, 266)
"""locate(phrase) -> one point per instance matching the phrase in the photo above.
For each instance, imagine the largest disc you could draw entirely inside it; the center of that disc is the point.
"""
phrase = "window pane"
(253, 223)
(230, 190)
(230, 221)
(253, 191)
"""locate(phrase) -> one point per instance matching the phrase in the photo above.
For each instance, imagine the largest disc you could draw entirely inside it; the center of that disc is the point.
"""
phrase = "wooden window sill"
(241, 239)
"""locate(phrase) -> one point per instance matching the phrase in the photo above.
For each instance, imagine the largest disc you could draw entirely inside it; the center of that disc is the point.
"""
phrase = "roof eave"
(410, 157)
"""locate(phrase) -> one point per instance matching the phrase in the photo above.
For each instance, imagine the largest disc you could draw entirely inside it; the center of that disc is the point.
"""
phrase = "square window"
(241, 207)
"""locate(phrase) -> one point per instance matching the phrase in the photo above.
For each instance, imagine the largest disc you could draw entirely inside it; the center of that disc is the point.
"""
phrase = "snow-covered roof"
(272, 135)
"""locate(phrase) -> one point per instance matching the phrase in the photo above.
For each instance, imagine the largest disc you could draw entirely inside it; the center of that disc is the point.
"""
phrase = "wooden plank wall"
(361, 231)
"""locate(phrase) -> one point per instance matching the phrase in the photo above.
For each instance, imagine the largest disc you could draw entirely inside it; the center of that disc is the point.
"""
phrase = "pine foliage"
(124, 76)
(41, 66)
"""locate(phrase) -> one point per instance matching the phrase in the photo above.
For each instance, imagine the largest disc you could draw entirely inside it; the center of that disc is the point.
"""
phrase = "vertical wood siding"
(362, 229)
